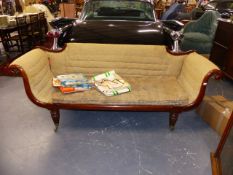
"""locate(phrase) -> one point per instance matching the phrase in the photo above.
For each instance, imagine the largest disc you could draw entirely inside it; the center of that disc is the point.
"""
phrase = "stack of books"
(72, 83)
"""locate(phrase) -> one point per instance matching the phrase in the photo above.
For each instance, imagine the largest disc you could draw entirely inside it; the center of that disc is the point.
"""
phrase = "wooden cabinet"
(222, 51)
(68, 10)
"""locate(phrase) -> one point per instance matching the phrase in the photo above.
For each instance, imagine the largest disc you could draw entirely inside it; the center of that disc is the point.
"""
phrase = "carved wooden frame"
(216, 157)
(173, 110)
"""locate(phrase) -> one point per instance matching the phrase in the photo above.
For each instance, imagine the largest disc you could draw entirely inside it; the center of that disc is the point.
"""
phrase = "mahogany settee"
(160, 81)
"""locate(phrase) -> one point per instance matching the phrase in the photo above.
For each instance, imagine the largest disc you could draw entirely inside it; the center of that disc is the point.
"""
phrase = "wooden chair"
(34, 29)
(43, 25)
(8, 45)
(6, 41)
(22, 38)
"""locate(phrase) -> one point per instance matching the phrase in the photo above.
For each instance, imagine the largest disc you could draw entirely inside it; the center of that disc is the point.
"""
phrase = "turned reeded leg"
(172, 120)
(55, 114)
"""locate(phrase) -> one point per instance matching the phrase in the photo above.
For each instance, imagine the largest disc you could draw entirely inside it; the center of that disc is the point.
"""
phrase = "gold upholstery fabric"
(133, 60)
(156, 77)
(36, 65)
(193, 71)
(155, 90)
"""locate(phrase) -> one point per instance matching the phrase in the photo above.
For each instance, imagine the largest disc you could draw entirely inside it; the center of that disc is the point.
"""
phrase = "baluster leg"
(55, 114)
(172, 120)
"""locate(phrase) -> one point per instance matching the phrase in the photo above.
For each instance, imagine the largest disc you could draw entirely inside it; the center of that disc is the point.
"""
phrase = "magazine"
(72, 83)
(110, 84)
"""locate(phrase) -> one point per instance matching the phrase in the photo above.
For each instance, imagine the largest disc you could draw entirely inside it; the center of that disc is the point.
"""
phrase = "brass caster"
(56, 128)
(172, 128)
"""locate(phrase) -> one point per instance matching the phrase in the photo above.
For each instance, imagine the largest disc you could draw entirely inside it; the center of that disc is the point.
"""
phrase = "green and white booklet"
(110, 83)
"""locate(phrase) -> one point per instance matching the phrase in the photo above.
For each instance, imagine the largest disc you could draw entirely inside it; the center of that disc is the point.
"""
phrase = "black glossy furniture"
(222, 50)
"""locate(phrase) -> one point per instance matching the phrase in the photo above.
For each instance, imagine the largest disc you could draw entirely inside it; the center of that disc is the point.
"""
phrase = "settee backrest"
(133, 60)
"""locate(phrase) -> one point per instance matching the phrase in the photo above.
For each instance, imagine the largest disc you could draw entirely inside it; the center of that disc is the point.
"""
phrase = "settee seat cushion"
(146, 90)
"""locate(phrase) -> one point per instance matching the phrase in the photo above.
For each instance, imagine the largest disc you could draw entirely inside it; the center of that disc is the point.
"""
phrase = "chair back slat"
(34, 24)
(22, 39)
(41, 15)
(34, 18)
(21, 20)
(43, 24)
(22, 26)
